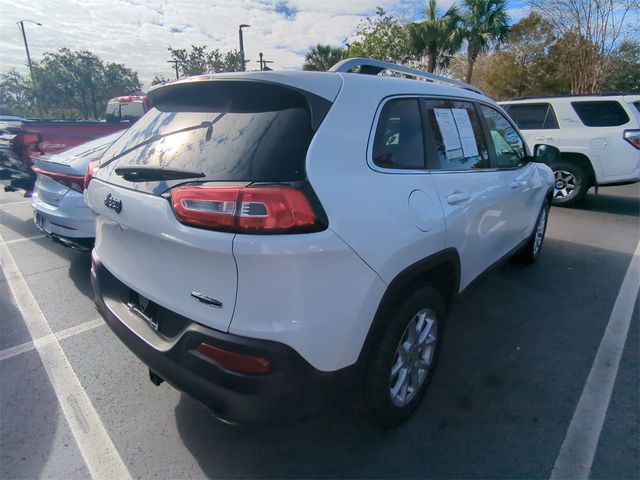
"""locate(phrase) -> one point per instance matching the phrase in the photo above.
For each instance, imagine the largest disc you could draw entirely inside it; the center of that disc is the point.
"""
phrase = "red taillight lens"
(91, 169)
(254, 209)
(633, 137)
(74, 182)
(236, 362)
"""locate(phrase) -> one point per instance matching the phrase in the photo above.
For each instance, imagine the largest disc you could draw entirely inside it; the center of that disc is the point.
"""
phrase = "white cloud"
(138, 32)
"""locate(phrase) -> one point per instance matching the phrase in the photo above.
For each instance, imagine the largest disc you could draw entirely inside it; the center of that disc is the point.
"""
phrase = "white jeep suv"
(264, 239)
(598, 137)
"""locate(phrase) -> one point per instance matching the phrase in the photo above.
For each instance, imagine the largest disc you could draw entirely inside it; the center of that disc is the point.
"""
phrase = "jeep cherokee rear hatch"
(211, 159)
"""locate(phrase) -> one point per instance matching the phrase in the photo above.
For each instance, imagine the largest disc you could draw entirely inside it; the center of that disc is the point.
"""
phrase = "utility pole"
(263, 63)
(26, 45)
(175, 65)
(244, 25)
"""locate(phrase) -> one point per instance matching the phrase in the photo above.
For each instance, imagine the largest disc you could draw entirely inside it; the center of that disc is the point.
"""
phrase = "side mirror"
(547, 154)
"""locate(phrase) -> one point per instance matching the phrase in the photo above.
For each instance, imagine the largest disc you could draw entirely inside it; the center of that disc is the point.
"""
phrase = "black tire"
(530, 252)
(567, 174)
(378, 379)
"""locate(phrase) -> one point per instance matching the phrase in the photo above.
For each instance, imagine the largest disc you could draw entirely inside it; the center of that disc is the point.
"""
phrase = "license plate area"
(144, 309)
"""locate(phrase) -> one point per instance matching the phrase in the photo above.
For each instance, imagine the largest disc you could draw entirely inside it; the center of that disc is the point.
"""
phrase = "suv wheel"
(571, 183)
(531, 251)
(406, 356)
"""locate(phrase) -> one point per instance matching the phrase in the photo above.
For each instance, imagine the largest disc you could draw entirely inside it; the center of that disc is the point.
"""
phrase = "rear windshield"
(607, 113)
(224, 131)
(533, 116)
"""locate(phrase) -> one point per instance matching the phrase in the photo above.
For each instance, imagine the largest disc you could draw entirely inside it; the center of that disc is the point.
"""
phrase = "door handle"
(517, 184)
(544, 139)
(458, 198)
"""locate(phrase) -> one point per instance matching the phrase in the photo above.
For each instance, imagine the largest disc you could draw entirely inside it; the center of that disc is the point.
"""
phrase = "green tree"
(382, 37)
(322, 57)
(68, 83)
(16, 94)
(436, 38)
(159, 79)
(525, 65)
(624, 68)
(486, 24)
(199, 60)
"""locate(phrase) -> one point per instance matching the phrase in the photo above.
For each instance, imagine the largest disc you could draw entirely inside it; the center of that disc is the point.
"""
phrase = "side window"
(601, 113)
(398, 141)
(533, 116)
(457, 141)
(507, 145)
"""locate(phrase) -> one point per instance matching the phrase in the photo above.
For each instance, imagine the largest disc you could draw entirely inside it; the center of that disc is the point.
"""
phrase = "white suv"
(598, 137)
(266, 238)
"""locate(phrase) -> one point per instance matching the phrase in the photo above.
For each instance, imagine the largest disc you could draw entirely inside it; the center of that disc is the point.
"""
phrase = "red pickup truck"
(22, 140)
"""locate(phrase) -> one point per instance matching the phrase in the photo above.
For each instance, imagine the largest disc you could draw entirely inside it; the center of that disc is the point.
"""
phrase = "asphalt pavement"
(519, 347)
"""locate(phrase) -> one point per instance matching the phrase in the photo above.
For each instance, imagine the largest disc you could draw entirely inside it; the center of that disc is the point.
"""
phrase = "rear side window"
(226, 131)
(601, 113)
(457, 141)
(398, 141)
(533, 116)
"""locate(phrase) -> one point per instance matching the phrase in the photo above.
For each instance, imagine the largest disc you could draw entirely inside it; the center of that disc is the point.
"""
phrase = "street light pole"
(244, 25)
(26, 45)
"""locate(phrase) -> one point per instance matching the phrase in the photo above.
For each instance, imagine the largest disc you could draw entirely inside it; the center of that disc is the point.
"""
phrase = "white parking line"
(11, 204)
(22, 239)
(581, 441)
(97, 448)
(61, 335)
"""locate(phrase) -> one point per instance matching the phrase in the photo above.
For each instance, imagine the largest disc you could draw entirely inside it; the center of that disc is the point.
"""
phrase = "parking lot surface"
(519, 346)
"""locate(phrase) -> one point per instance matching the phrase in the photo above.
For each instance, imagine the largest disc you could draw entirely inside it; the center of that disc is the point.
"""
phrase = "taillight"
(253, 209)
(633, 137)
(91, 169)
(74, 182)
(27, 145)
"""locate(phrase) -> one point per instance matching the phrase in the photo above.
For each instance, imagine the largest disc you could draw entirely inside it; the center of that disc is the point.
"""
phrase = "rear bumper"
(292, 390)
(70, 219)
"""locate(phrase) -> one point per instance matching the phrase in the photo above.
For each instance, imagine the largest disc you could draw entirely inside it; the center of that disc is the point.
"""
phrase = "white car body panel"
(145, 247)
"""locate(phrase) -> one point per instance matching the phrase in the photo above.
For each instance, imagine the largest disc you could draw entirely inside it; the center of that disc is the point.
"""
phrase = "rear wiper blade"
(152, 174)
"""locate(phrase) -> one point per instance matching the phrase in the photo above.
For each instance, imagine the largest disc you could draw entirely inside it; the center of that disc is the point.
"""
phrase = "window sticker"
(449, 133)
(465, 131)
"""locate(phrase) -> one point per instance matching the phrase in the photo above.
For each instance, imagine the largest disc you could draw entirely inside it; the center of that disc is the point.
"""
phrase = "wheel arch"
(440, 270)
(583, 161)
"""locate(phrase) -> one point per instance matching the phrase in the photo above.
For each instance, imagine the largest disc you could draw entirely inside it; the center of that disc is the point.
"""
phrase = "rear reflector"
(253, 209)
(74, 182)
(633, 137)
(235, 362)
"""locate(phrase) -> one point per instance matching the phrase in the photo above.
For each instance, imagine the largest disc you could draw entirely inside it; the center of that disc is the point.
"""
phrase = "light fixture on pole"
(244, 25)
(26, 45)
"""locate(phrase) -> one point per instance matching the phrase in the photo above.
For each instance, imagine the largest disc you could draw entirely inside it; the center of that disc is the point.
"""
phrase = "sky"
(138, 32)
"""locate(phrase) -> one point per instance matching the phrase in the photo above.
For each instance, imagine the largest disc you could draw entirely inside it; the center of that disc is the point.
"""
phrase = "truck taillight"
(252, 209)
(633, 137)
(91, 169)
(27, 145)
(74, 182)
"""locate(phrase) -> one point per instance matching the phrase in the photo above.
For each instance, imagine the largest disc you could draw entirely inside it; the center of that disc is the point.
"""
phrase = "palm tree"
(322, 57)
(486, 24)
(437, 37)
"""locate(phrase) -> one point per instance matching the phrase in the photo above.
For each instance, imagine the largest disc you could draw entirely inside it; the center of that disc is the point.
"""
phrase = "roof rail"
(374, 67)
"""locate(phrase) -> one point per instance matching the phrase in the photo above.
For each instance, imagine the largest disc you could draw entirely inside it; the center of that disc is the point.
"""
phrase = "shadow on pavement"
(518, 348)
(618, 205)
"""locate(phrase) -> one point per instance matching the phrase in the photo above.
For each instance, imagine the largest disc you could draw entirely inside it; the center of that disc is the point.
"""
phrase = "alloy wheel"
(413, 357)
(565, 184)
